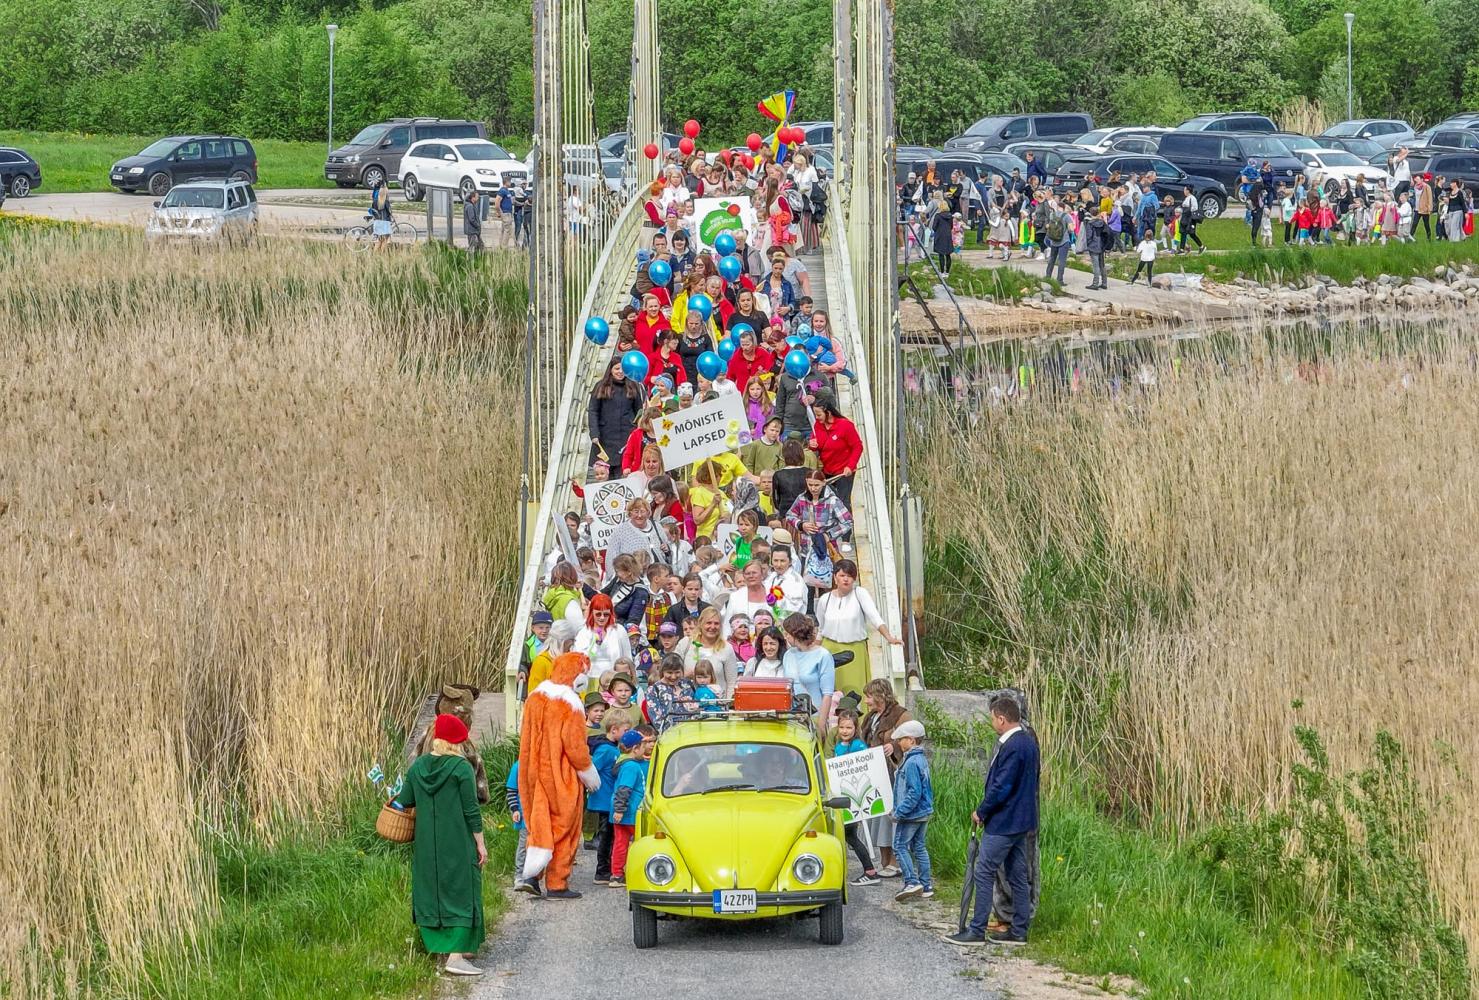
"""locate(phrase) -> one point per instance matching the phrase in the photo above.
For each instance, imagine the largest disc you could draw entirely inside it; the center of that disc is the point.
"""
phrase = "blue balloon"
(710, 365)
(634, 366)
(729, 345)
(597, 331)
(828, 358)
(660, 272)
(730, 267)
(725, 245)
(795, 342)
(701, 304)
(739, 330)
(813, 344)
(798, 365)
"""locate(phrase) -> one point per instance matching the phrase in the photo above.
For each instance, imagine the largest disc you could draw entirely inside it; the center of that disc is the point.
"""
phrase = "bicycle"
(361, 238)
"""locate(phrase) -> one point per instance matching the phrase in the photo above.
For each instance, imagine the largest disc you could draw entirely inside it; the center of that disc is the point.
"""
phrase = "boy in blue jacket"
(604, 757)
(914, 803)
(631, 785)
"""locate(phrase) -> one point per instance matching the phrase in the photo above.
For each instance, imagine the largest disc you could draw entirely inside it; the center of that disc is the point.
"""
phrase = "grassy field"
(237, 551)
(999, 284)
(1183, 577)
(72, 162)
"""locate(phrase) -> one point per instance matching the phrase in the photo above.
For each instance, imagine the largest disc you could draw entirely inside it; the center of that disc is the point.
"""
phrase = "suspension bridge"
(576, 276)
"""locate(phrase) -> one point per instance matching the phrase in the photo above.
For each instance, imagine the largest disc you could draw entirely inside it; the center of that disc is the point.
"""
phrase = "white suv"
(463, 164)
(205, 210)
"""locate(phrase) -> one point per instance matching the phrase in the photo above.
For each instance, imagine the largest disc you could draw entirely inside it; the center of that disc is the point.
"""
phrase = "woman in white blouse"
(603, 640)
(804, 176)
(844, 615)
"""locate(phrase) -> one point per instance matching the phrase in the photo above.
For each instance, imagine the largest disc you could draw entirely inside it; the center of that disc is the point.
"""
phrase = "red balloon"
(733, 210)
(690, 129)
(650, 150)
(798, 136)
(754, 142)
(748, 161)
(685, 145)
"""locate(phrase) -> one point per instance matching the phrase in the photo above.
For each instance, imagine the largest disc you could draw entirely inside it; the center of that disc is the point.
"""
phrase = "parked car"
(1137, 142)
(1232, 121)
(996, 131)
(1222, 156)
(1296, 141)
(817, 133)
(737, 823)
(1448, 138)
(1417, 158)
(1169, 179)
(205, 211)
(1050, 154)
(1102, 140)
(1327, 167)
(166, 162)
(1456, 167)
(615, 144)
(373, 156)
(1364, 148)
(1387, 131)
(472, 164)
(20, 174)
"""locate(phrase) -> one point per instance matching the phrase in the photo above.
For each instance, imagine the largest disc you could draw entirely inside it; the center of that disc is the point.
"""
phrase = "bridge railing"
(606, 294)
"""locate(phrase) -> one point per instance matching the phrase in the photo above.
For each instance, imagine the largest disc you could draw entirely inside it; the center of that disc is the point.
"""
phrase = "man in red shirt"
(835, 440)
(748, 361)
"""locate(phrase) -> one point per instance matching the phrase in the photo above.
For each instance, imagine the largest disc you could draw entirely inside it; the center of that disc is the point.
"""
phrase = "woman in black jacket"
(615, 402)
(694, 341)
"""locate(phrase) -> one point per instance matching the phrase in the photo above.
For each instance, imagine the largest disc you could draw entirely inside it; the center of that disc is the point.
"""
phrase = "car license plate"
(118, 177)
(734, 900)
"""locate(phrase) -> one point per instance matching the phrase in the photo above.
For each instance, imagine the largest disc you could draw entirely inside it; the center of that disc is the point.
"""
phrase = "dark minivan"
(1222, 156)
(161, 165)
(994, 132)
(373, 157)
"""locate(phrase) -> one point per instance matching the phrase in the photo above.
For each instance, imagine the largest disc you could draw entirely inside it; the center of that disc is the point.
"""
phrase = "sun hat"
(593, 699)
(780, 536)
(450, 729)
(914, 729)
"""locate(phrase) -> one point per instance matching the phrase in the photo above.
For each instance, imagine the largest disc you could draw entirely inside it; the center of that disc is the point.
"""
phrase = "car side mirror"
(384, 143)
(158, 203)
(450, 157)
(838, 802)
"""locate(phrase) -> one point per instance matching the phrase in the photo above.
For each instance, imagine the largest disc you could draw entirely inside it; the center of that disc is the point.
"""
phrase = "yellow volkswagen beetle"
(737, 824)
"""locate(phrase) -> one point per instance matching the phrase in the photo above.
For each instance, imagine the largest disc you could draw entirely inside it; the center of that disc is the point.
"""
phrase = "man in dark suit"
(1007, 815)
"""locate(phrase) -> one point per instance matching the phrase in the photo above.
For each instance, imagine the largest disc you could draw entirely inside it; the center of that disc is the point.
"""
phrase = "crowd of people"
(1028, 215)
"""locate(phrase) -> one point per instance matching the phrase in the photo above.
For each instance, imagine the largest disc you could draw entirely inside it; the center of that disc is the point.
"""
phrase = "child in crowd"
(1266, 230)
(516, 816)
(914, 803)
(704, 681)
(595, 712)
(1404, 219)
(626, 798)
(847, 741)
(604, 757)
(682, 552)
(739, 638)
(623, 695)
(673, 694)
(658, 599)
(1304, 221)
(1146, 249)
(1325, 221)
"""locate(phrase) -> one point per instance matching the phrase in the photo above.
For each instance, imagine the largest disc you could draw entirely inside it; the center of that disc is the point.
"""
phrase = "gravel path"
(582, 950)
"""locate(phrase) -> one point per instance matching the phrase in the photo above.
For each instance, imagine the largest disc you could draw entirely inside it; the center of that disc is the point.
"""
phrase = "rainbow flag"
(777, 107)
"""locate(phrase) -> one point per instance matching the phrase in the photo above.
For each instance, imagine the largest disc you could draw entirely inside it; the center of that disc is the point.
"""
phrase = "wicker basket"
(396, 825)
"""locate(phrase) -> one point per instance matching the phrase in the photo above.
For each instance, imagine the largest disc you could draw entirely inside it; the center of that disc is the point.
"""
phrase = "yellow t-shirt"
(729, 466)
(699, 497)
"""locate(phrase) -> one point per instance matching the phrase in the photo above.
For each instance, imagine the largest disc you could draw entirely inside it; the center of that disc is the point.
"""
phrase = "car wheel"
(831, 931)
(411, 187)
(1212, 206)
(1331, 187)
(373, 177)
(466, 188)
(241, 177)
(160, 184)
(644, 927)
(20, 185)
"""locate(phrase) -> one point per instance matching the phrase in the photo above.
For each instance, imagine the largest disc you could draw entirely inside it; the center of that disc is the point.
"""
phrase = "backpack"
(1057, 229)
(818, 202)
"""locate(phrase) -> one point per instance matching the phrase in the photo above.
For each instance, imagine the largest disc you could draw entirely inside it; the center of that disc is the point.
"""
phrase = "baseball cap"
(667, 628)
(630, 739)
(543, 617)
(914, 729)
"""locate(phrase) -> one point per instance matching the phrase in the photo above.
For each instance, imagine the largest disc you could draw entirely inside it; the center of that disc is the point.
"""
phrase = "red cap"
(449, 728)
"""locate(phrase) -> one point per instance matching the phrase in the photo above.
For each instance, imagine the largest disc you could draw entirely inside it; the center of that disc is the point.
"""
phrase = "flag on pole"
(777, 107)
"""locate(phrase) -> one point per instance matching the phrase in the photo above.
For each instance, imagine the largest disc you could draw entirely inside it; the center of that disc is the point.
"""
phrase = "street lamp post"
(1350, 113)
(333, 29)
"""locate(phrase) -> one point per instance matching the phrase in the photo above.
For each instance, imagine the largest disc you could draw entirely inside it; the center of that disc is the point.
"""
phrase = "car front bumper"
(342, 173)
(767, 904)
(129, 182)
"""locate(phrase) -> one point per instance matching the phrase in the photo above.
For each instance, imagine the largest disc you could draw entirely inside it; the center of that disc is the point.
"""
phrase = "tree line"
(261, 68)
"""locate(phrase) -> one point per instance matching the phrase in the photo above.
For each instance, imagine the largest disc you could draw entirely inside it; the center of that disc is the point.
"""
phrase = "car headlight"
(486, 172)
(807, 869)
(660, 869)
(136, 170)
(352, 158)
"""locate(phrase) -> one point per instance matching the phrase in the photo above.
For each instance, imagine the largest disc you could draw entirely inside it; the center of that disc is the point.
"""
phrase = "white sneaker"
(460, 966)
(889, 871)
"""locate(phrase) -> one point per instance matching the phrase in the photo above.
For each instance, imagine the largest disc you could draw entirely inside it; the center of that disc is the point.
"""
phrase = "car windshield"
(159, 148)
(1264, 146)
(1336, 158)
(1094, 137)
(369, 136)
(490, 151)
(1363, 147)
(1344, 128)
(735, 767)
(986, 126)
(195, 197)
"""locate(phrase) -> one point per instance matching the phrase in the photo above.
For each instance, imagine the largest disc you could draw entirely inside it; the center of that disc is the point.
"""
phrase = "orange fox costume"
(554, 762)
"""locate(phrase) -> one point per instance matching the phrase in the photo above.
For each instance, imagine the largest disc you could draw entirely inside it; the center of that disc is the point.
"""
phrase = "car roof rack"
(723, 710)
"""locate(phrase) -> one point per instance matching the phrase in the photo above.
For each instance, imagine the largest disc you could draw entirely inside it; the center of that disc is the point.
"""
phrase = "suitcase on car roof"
(762, 694)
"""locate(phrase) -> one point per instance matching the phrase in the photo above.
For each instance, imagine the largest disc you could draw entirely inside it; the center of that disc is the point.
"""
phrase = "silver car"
(205, 211)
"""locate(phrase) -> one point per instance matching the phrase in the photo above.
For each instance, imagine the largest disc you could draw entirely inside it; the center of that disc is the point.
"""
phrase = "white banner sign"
(702, 431)
(718, 215)
(863, 779)
(606, 503)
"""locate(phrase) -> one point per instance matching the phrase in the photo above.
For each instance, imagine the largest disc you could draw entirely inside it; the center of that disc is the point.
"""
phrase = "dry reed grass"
(1276, 546)
(250, 506)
